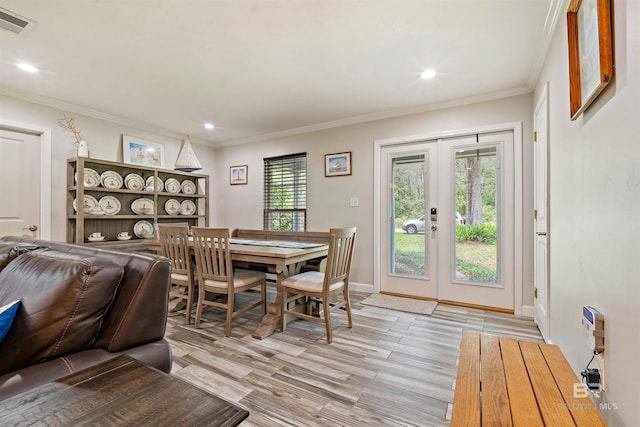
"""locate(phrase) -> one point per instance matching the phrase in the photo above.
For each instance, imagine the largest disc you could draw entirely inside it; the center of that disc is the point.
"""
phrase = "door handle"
(541, 233)
(31, 228)
(434, 227)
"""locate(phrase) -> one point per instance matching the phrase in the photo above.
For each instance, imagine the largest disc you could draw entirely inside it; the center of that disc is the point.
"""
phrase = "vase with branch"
(67, 123)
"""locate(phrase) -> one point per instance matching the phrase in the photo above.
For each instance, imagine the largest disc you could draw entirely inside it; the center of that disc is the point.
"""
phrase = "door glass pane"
(476, 249)
(407, 218)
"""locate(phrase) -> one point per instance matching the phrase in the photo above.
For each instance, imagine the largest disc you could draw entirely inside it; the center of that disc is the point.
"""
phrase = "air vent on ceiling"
(12, 22)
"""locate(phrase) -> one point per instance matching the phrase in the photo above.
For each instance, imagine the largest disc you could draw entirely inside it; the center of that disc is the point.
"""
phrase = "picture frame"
(590, 52)
(337, 164)
(137, 151)
(239, 175)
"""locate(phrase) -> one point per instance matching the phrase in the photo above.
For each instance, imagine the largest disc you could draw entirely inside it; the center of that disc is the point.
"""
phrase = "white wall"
(105, 143)
(328, 198)
(594, 201)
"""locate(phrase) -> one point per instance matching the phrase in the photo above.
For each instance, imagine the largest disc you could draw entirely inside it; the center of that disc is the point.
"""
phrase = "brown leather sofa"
(79, 307)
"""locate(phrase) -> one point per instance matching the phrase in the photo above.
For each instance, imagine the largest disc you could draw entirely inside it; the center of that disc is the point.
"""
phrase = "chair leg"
(347, 305)
(327, 318)
(201, 295)
(283, 312)
(263, 295)
(230, 306)
(189, 303)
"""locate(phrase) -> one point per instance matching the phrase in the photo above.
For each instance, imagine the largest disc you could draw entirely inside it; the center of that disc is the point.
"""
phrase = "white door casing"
(541, 211)
(25, 170)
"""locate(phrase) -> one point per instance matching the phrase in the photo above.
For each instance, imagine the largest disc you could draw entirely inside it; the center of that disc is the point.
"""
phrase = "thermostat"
(593, 323)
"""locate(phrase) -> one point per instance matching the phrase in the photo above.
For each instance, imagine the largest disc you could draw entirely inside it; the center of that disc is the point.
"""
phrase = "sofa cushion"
(11, 250)
(64, 299)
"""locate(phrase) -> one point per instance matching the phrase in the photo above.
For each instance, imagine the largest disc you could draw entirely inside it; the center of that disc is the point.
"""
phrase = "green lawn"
(474, 261)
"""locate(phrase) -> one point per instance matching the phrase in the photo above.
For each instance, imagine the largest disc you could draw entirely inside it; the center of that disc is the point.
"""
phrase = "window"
(285, 193)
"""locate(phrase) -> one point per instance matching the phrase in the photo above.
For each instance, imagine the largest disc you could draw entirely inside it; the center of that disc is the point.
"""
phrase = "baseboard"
(527, 311)
(361, 287)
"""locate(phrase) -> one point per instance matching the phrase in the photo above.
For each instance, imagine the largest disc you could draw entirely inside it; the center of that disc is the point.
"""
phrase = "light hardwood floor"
(391, 369)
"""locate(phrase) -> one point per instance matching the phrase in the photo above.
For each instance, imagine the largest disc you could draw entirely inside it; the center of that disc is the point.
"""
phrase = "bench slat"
(495, 401)
(550, 401)
(582, 409)
(524, 408)
(466, 398)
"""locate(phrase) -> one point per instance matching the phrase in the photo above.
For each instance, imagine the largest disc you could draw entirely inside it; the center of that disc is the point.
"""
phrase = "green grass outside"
(475, 261)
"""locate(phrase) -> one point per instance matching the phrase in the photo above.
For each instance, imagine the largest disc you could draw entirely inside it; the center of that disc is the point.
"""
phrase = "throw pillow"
(7, 314)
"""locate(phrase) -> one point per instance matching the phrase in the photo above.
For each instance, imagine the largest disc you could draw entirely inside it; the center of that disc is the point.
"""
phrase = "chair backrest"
(341, 242)
(213, 255)
(174, 241)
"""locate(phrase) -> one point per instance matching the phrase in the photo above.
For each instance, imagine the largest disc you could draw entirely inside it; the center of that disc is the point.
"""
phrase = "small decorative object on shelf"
(187, 161)
(67, 123)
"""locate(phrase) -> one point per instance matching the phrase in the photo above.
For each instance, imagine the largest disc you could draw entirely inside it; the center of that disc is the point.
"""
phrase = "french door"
(447, 218)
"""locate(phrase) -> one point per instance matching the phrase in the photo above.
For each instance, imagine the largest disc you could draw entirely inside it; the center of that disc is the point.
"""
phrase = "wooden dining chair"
(216, 275)
(174, 241)
(323, 287)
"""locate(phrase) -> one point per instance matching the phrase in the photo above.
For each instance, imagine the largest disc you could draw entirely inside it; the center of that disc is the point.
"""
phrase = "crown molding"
(555, 12)
(378, 116)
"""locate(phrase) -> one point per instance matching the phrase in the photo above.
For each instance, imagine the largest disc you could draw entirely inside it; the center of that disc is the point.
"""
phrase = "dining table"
(279, 257)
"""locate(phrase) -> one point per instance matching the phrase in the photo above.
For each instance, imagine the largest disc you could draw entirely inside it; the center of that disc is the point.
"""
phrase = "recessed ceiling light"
(209, 126)
(27, 67)
(428, 74)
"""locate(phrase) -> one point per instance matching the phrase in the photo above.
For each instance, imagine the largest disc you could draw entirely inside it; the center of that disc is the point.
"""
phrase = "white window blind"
(285, 192)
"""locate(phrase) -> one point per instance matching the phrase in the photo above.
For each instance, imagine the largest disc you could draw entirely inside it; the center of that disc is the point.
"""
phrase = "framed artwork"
(590, 52)
(337, 164)
(136, 151)
(238, 175)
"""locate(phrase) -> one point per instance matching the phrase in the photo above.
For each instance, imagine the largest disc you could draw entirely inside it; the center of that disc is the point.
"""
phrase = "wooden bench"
(507, 382)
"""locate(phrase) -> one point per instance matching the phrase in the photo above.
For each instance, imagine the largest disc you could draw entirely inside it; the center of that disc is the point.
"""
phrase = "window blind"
(285, 192)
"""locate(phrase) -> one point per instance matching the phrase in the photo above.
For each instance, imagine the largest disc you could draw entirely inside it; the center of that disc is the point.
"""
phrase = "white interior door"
(20, 190)
(541, 255)
(428, 188)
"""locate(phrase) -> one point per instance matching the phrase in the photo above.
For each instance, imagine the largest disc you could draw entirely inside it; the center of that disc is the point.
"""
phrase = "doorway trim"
(45, 167)
(516, 128)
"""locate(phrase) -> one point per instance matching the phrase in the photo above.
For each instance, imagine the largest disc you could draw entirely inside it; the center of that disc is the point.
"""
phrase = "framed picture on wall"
(590, 52)
(337, 164)
(239, 175)
(136, 151)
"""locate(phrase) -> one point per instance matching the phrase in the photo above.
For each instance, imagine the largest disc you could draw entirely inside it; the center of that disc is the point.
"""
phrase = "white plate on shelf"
(172, 206)
(91, 178)
(143, 228)
(95, 239)
(188, 187)
(134, 182)
(111, 179)
(139, 206)
(159, 185)
(89, 201)
(110, 205)
(172, 186)
(187, 207)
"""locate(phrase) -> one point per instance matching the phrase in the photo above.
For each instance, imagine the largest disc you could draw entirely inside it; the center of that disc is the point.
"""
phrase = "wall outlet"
(354, 202)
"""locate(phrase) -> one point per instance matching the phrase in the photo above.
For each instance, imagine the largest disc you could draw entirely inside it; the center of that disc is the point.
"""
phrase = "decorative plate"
(158, 183)
(90, 202)
(134, 182)
(187, 207)
(111, 179)
(91, 178)
(188, 187)
(142, 206)
(172, 206)
(172, 185)
(142, 228)
(110, 205)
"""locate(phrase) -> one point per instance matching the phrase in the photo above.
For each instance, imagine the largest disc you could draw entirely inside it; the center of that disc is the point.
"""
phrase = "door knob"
(434, 227)
(31, 228)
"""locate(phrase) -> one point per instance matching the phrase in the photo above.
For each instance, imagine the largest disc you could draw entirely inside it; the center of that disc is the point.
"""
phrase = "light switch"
(353, 202)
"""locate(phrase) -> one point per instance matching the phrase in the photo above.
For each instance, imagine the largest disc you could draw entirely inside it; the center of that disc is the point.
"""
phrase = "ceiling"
(258, 69)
